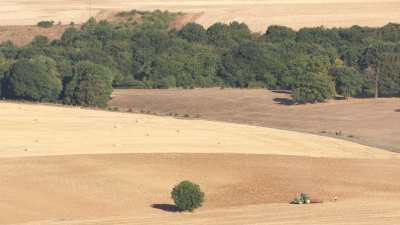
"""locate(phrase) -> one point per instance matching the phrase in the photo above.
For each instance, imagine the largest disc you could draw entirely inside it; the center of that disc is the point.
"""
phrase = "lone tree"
(187, 196)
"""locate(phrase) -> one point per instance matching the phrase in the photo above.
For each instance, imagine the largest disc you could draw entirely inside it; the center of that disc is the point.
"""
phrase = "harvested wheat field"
(258, 14)
(72, 166)
(37, 130)
(367, 121)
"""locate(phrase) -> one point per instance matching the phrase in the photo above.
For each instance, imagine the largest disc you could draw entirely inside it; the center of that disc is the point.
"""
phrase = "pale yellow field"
(72, 166)
(351, 213)
(29, 130)
(257, 13)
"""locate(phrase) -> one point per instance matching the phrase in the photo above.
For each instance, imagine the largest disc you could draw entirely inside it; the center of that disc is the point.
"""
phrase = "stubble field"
(18, 18)
(257, 13)
(65, 165)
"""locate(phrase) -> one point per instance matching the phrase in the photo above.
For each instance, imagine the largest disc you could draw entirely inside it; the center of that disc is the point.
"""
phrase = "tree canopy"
(313, 87)
(90, 85)
(35, 79)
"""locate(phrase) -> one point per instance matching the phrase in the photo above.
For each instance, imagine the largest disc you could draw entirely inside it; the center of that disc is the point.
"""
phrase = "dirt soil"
(73, 166)
(240, 189)
(22, 35)
(257, 13)
(367, 121)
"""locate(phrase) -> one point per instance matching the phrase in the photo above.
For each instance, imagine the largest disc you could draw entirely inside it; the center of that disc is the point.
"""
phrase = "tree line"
(315, 64)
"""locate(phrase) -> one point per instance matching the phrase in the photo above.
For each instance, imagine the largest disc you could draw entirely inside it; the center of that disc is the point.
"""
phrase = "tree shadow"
(165, 207)
(282, 91)
(284, 101)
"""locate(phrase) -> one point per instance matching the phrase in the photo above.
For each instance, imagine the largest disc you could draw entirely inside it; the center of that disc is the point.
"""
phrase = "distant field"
(257, 13)
(367, 121)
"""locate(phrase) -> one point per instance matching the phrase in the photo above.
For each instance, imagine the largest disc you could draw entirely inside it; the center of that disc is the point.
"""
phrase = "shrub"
(187, 196)
(45, 24)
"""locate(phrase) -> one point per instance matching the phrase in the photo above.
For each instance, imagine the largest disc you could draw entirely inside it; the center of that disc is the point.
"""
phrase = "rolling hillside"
(65, 165)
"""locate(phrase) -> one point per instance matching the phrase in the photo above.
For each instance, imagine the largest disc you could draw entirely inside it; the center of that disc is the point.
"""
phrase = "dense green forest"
(314, 63)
